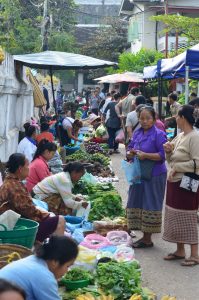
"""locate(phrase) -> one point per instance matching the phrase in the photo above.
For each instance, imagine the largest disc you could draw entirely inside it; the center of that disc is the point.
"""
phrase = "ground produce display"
(122, 280)
(82, 155)
(92, 147)
(78, 274)
(112, 281)
(105, 200)
(108, 204)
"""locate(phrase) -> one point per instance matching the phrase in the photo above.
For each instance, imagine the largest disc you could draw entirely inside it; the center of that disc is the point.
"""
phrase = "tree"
(185, 26)
(109, 41)
(136, 62)
(21, 21)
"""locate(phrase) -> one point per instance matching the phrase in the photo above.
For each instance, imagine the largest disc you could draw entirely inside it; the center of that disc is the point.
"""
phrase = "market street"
(161, 276)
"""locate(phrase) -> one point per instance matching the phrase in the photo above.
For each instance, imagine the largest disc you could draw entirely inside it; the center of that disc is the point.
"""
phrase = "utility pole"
(45, 26)
(167, 34)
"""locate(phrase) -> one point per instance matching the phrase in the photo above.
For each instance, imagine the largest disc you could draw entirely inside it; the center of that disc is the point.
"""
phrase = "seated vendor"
(65, 129)
(37, 274)
(14, 196)
(56, 190)
(38, 169)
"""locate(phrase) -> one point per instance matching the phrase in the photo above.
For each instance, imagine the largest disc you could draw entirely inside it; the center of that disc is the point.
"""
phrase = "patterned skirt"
(57, 205)
(144, 206)
(180, 223)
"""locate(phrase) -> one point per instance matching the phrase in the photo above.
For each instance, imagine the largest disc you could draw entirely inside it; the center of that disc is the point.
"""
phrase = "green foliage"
(136, 62)
(21, 22)
(120, 279)
(186, 26)
(62, 41)
(109, 41)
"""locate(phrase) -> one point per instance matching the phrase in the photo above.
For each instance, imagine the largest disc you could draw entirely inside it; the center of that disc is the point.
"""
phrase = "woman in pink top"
(38, 169)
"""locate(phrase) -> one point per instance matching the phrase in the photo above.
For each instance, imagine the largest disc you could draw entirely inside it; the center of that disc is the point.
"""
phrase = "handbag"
(146, 168)
(132, 171)
(190, 181)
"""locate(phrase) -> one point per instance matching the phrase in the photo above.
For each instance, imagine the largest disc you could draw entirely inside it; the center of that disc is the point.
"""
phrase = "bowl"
(74, 285)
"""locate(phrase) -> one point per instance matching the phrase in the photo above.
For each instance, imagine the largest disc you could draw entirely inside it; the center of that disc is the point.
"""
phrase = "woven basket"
(12, 252)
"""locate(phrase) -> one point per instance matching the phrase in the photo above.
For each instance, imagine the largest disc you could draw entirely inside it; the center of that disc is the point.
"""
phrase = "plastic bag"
(78, 235)
(8, 220)
(117, 238)
(132, 171)
(95, 241)
(124, 254)
(86, 258)
(120, 136)
(40, 203)
(89, 178)
(84, 212)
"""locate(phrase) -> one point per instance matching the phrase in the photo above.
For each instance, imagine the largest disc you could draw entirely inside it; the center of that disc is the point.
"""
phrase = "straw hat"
(93, 117)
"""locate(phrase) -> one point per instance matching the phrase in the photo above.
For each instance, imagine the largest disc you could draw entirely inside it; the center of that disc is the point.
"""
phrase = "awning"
(123, 77)
(56, 60)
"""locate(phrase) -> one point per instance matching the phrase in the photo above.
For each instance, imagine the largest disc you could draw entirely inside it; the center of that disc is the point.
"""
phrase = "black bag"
(146, 167)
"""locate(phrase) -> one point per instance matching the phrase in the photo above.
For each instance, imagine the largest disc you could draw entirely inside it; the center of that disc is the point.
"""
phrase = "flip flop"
(173, 256)
(141, 244)
(190, 262)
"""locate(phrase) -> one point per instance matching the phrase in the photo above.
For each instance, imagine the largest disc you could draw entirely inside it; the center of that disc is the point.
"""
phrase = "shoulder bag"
(190, 181)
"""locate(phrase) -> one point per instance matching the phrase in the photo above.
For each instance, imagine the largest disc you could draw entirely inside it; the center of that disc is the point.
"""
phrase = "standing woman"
(113, 123)
(38, 169)
(180, 224)
(145, 200)
(27, 146)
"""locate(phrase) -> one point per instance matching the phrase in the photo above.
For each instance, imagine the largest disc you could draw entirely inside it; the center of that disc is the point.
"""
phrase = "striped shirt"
(61, 184)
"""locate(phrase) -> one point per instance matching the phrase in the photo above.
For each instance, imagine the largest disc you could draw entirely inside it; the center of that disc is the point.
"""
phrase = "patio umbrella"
(121, 77)
(55, 60)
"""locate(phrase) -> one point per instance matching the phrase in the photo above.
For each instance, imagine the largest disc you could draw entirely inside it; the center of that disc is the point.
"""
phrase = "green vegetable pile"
(122, 280)
(106, 204)
(82, 187)
(76, 274)
(81, 155)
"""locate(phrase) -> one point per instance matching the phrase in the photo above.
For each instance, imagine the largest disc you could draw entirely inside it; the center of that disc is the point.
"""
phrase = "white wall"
(16, 107)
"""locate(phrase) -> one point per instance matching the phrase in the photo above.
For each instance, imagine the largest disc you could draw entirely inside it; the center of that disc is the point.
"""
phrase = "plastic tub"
(74, 285)
(23, 234)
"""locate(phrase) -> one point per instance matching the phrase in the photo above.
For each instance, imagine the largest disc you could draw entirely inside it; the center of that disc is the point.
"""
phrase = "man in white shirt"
(132, 122)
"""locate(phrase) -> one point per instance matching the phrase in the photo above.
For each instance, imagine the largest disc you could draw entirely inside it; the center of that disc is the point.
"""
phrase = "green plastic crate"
(19, 235)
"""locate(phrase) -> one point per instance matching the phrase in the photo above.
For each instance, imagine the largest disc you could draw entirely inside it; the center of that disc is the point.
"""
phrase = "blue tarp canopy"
(150, 72)
(170, 68)
(175, 67)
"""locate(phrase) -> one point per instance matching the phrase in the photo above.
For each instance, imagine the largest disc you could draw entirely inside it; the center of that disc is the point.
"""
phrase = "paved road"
(161, 276)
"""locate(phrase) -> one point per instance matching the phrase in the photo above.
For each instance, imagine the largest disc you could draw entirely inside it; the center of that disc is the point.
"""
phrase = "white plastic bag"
(8, 220)
(84, 212)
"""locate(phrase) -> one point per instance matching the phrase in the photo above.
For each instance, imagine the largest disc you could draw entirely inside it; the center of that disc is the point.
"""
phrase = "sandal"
(141, 244)
(173, 256)
(190, 262)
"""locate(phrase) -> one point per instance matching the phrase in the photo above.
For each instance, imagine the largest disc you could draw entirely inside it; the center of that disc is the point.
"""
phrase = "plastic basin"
(74, 285)
(23, 234)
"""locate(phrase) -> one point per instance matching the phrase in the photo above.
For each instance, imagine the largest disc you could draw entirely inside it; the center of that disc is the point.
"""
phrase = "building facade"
(146, 33)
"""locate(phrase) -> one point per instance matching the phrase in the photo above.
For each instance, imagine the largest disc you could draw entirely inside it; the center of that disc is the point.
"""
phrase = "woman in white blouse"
(56, 190)
(27, 145)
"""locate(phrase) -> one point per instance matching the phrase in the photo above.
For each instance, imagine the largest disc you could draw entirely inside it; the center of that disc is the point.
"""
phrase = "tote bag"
(132, 171)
